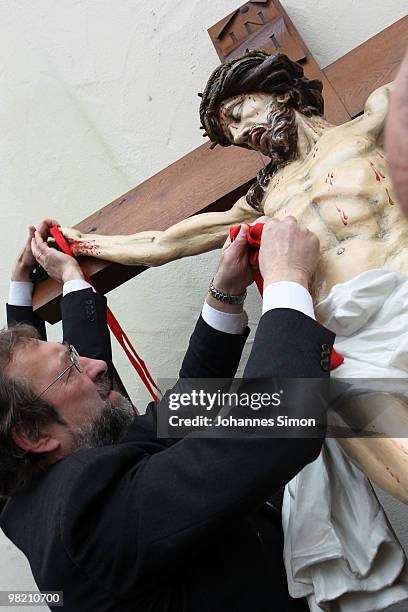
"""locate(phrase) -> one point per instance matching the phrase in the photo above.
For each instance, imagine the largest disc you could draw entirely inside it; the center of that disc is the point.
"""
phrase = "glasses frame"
(74, 356)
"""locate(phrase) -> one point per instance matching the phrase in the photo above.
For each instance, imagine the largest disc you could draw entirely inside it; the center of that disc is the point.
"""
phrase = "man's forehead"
(32, 351)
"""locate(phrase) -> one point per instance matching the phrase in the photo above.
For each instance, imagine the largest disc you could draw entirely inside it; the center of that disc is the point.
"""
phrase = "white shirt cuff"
(75, 285)
(227, 322)
(286, 294)
(21, 293)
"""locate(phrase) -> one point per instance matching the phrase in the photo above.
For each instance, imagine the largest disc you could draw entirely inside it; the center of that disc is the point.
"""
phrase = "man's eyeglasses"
(74, 356)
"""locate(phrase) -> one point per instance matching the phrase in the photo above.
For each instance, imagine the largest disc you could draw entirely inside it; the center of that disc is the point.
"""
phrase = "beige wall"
(98, 96)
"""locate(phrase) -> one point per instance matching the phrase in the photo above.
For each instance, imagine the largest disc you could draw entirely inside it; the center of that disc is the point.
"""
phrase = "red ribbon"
(254, 234)
(114, 326)
(253, 237)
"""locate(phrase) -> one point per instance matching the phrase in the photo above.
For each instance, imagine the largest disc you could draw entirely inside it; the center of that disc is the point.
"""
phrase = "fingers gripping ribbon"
(254, 235)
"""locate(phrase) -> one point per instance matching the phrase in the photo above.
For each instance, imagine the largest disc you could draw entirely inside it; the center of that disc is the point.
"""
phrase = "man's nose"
(93, 367)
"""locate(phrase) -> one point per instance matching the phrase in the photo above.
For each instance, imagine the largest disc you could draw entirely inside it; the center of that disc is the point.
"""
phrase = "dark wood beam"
(370, 65)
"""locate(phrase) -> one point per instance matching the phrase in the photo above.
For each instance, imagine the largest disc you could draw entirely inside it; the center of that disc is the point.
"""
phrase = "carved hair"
(254, 71)
(20, 410)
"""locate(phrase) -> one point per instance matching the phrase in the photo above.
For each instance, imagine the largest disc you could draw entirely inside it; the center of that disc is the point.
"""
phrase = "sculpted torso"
(342, 192)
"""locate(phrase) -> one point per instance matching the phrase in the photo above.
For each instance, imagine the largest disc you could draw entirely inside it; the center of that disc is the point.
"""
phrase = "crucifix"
(256, 24)
(219, 177)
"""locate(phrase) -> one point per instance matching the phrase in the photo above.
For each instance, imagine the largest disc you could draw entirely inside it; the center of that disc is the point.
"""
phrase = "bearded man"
(335, 181)
(84, 327)
(129, 521)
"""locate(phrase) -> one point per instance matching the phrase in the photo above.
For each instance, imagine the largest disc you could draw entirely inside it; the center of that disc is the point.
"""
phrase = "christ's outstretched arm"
(192, 236)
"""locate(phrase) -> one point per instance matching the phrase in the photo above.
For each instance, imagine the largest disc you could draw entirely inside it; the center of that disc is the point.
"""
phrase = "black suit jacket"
(150, 526)
(84, 325)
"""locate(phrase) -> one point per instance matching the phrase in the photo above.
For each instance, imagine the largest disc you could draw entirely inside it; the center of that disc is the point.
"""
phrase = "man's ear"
(44, 444)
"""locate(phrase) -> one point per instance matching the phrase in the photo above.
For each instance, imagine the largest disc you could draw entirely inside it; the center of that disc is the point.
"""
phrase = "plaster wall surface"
(96, 97)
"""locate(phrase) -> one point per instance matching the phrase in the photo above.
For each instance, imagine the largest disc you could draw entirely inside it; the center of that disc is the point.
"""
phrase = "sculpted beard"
(110, 425)
(281, 145)
(281, 133)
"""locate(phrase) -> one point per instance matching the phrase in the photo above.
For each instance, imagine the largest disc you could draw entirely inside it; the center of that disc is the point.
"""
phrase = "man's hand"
(234, 273)
(287, 252)
(59, 266)
(26, 260)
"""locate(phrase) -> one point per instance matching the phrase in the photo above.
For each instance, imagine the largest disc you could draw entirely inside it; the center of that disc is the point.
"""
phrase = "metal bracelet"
(226, 297)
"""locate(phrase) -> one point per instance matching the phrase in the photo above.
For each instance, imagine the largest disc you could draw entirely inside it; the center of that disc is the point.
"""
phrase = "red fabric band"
(254, 234)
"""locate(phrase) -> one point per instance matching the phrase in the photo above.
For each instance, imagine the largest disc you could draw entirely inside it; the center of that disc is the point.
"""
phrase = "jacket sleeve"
(138, 511)
(210, 354)
(84, 324)
(25, 314)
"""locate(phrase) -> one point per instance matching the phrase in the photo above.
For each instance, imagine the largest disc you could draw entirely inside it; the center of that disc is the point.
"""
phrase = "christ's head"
(251, 100)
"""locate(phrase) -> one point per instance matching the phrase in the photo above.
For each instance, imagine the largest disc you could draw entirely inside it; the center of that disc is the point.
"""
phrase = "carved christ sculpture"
(333, 179)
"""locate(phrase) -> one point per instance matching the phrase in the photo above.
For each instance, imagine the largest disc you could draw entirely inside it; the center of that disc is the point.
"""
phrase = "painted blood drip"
(309, 125)
(343, 215)
(400, 446)
(378, 174)
(80, 247)
(390, 200)
(329, 179)
(392, 474)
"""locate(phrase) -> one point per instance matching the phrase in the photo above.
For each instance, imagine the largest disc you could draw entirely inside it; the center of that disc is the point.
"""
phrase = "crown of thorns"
(252, 71)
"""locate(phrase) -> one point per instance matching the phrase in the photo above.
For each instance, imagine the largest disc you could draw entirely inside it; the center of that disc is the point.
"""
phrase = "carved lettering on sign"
(275, 42)
(234, 30)
(248, 24)
(252, 27)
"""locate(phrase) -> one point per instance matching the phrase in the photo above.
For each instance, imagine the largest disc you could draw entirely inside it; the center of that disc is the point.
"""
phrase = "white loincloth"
(340, 551)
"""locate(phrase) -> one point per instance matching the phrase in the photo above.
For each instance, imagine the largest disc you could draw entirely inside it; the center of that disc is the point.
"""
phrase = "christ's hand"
(58, 266)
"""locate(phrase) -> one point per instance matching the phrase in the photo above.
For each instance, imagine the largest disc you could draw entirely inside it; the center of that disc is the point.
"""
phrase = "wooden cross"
(215, 179)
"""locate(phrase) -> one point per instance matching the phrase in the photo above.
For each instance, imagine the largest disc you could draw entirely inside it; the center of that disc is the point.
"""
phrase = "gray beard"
(110, 425)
